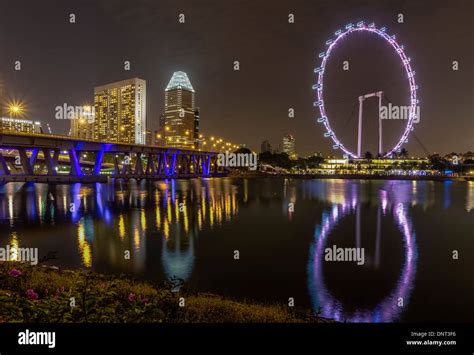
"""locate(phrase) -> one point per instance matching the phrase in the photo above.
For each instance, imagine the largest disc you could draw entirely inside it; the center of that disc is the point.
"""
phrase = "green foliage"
(41, 294)
(282, 160)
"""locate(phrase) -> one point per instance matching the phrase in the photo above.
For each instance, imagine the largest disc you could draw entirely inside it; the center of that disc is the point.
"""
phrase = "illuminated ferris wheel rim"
(331, 43)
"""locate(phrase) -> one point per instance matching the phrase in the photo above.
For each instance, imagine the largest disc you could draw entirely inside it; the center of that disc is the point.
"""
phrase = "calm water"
(407, 229)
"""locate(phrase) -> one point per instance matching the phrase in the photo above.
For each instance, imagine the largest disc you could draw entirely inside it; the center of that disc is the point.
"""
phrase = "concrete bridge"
(50, 158)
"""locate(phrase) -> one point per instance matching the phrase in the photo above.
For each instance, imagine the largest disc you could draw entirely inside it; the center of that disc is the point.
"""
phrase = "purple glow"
(406, 64)
(385, 311)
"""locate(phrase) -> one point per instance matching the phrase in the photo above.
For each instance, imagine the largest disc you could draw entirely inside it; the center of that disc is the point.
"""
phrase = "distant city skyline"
(276, 61)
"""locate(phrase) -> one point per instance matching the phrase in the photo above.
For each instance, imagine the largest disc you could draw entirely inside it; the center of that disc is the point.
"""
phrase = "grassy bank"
(47, 294)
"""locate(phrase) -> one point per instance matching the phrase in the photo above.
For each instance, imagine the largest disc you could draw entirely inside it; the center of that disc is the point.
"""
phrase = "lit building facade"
(82, 125)
(120, 112)
(181, 117)
(18, 125)
(289, 146)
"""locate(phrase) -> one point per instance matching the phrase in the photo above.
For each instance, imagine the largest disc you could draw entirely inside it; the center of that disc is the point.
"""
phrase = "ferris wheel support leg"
(377, 240)
(359, 131)
(358, 237)
(379, 94)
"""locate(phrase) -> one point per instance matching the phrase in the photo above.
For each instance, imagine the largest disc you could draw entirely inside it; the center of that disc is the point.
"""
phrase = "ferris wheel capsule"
(360, 24)
(318, 103)
(322, 119)
(318, 70)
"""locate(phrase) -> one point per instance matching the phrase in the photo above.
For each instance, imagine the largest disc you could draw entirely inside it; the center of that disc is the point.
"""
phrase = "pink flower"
(31, 294)
(144, 300)
(59, 291)
(14, 273)
(132, 297)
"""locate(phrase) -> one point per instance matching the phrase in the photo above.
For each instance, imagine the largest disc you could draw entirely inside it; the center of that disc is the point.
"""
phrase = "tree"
(368, 155)
(243, 150)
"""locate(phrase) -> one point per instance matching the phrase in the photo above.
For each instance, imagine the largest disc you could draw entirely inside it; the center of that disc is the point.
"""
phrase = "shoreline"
(48, 294)
(355, 177)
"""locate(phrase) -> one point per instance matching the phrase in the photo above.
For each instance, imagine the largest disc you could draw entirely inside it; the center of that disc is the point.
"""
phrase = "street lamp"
(15, 109)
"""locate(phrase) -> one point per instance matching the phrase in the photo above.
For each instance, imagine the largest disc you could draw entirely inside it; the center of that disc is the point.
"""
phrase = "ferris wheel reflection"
(391, 307)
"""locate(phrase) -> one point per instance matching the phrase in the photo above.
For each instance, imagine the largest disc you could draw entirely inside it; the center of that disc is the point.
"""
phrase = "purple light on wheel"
(399, 49)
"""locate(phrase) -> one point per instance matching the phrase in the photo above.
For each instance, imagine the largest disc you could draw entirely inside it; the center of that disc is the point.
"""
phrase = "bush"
(49, 295)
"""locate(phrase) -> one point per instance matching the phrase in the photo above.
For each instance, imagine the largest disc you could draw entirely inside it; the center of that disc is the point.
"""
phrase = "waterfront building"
(82, 124)
(181, 126)
(19, 125)
(289, 146)
(120, 111)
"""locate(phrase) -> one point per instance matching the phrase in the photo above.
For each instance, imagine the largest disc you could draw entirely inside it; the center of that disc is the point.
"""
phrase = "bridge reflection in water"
(189, 228)
(109, 220)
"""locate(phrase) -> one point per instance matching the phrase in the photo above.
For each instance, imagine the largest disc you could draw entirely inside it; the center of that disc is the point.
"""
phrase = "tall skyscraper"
(181, 128)
(120, 111)
(289, 146)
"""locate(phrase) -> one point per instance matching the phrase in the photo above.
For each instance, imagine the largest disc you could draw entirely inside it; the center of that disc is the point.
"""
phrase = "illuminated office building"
(120, 111)
(18, 125)
(181, 117)
(82, 125)
(289, 146)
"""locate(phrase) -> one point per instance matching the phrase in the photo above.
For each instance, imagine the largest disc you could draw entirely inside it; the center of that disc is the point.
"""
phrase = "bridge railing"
(126, 160)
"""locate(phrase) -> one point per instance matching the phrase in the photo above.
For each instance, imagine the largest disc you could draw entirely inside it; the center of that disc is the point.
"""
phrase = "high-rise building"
(158, 135)
(289, 146)
(19, 125)
(266, 147)
(181, 117)
(120, 111)
(82, 125)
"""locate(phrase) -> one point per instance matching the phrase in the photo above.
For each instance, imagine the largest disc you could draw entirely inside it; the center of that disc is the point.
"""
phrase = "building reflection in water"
(393, 200)
(470, 196)
(108, 221)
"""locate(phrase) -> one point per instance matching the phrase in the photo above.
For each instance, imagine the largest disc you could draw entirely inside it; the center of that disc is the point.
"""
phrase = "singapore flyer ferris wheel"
(319, 88)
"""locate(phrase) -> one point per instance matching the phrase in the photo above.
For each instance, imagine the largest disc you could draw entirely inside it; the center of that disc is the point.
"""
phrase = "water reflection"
(109, 221)
(348, 202)
(189, 228)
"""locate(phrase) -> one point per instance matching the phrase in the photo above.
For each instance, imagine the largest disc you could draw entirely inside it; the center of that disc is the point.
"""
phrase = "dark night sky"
(62, 62)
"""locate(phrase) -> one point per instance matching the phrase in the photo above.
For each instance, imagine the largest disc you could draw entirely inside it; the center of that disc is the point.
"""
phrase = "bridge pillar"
(3, 166)
(33, 157)
(116, 165)
(139, 165)
(25, 162)
(74, 162)
(98, 162)
(206, 161)
(127, 165)
(194, 163)
(171, 170)
(51, 163)
(150, 168)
